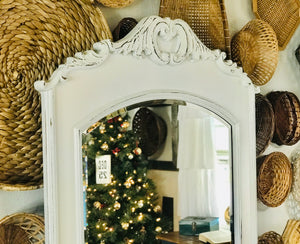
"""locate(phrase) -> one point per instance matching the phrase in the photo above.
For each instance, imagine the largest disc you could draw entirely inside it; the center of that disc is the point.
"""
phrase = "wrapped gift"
(195, 225)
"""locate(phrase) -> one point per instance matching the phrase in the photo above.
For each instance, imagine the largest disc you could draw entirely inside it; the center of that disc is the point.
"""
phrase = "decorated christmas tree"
(121, 200)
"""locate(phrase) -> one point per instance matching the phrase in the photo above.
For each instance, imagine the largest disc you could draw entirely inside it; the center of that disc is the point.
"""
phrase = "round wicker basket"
(32, 224)
(123, 28)
(274, 178)
(255, 48)
(13, 234)
(35, 37)
(151, 130)
(286, 107)
(291, 233)
(270, 237)
(264, 123)
(227, 215)
(116, 3)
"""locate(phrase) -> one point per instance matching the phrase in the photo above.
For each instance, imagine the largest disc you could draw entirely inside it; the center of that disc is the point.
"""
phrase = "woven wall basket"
(255, 48)
(32, 224)
(151, 130)
(274, 178)
(297, 53)
(123, 28)
(270, 237)
(35, 37)
(286, 107)
(13, 234)
(116, 3)
(291, 234)
(207, 18)
(282, 15)
(265, 123)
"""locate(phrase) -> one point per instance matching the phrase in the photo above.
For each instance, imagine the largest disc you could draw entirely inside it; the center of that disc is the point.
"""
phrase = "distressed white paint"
(159, 59)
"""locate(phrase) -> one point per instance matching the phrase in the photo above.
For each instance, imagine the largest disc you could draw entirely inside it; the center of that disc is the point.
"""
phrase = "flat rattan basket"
(270, 237)
(32, 224)
(291, 234)
(116, 3)
(274, 178)
(282, 15)
(265, 123)
(286, 107)
(35, 37)
(207, 18)
(255, 48)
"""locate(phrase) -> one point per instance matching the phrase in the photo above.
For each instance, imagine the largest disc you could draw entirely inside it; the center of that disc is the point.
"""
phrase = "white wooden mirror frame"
(159, 59)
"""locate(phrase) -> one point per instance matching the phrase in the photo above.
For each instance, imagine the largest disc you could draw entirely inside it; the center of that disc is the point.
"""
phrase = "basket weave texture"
(286, 107)
(265, 123)
(151, 130)
(282, 15)
(274, 178)
(291, 234)
(32, 224)
(13, 234)
(116, 3)
(35, 37)
(255, 48)
(270, 237)
(207, 18)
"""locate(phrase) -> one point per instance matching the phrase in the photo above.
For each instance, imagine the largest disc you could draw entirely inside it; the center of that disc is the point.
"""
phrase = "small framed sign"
(103, 169)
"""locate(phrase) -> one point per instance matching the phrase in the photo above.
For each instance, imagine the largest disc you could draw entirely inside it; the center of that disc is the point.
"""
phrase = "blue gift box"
(194, 225)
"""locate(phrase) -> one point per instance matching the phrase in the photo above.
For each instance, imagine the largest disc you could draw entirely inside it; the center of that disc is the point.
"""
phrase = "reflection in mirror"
(157, 172)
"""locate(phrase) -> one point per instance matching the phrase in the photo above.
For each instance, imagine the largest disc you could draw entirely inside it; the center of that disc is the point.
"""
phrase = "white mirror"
(163, 66)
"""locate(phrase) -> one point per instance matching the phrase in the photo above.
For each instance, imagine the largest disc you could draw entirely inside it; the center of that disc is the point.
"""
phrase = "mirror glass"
(158, 172)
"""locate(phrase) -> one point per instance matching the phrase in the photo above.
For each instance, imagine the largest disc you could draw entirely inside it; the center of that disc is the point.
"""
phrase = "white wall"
(286, 77)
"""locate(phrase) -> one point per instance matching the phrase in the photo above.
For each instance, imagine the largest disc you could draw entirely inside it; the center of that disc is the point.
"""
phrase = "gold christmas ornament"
(97, 205)
(111, 126)
(104, 146)
(140, 203)
(117, 205)
(157, 209)
(158, 229)
(137, 151)
(140, 217)
(130, 156)
(125, 124)
(125, 226)
(129, 182)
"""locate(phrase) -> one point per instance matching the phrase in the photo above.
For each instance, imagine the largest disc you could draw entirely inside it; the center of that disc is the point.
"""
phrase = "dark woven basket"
(123, 28)
(297, 53)
(13, 234)
(274, 178)
(264, 123)
(150, 129)
(286, 107)
(270, 237)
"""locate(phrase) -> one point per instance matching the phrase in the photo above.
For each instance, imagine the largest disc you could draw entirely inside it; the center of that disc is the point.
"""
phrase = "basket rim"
(19, 187)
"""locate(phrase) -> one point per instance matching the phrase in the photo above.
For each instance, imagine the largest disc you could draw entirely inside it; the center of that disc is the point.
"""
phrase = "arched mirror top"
(160, 59)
